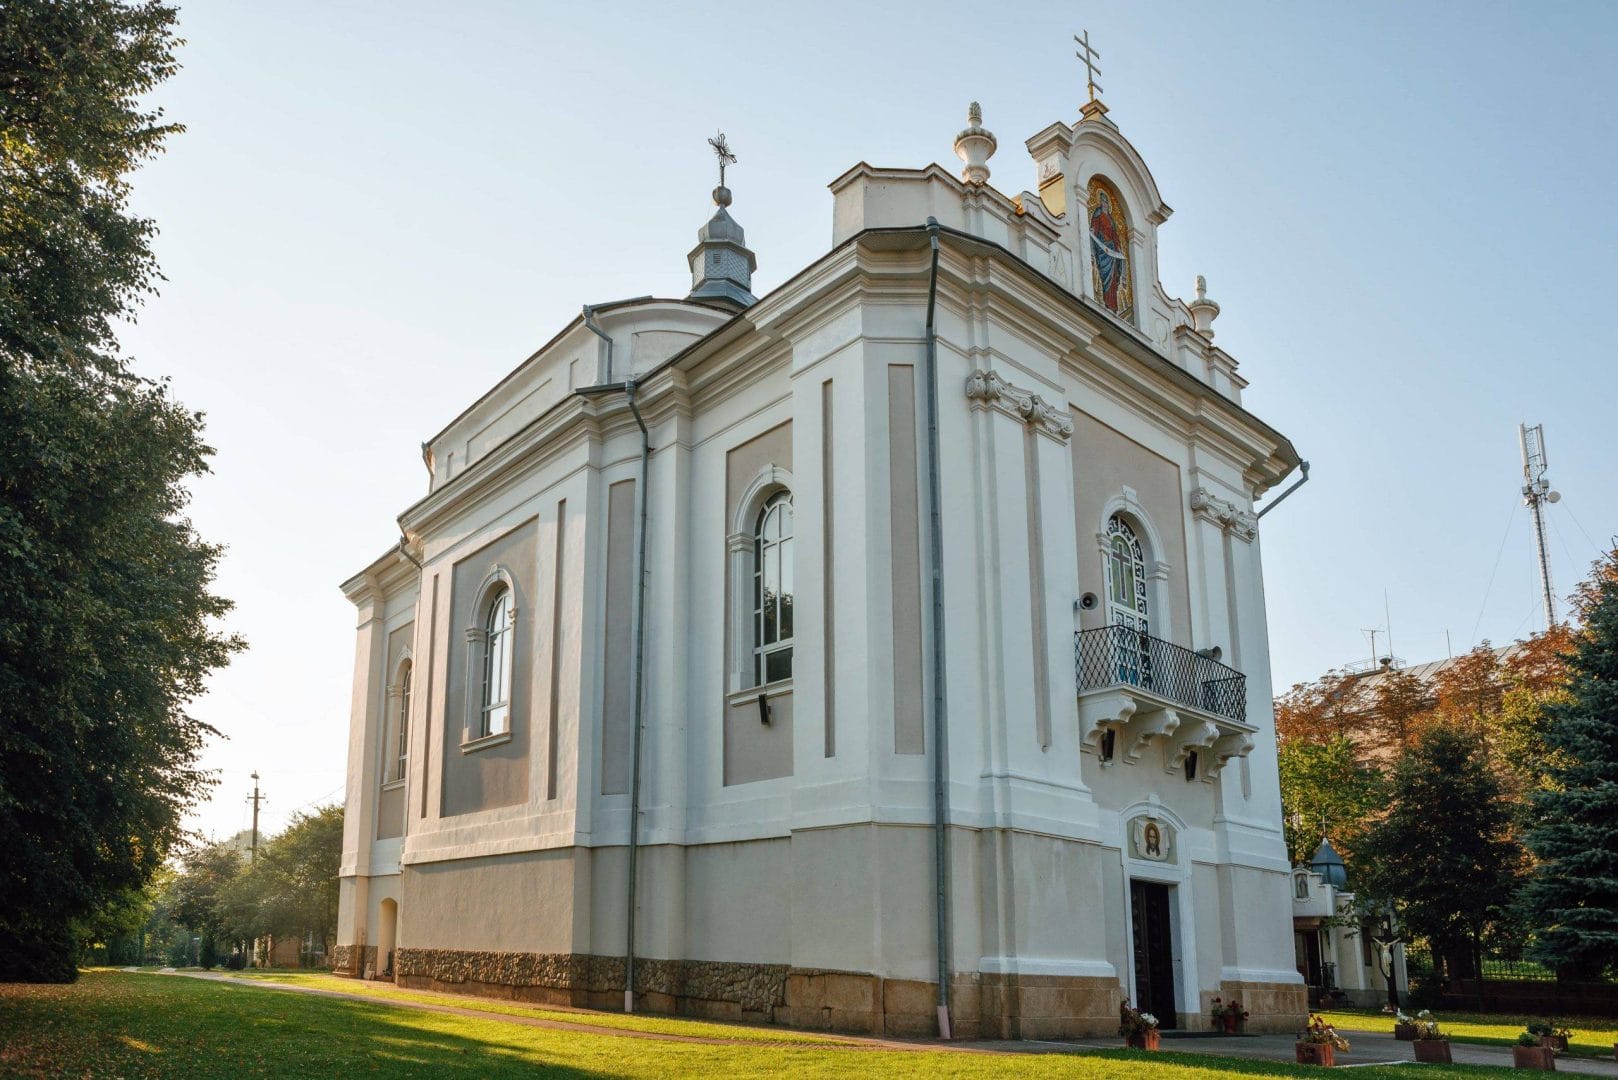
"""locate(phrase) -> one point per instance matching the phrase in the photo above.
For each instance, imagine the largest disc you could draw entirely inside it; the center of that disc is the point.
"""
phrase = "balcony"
(1136, 690)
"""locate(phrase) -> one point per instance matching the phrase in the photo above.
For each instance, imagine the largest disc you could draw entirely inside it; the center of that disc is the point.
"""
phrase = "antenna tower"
(1536, 492)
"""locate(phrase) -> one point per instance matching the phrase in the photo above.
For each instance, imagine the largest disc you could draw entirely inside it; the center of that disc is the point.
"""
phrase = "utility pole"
(255, 800)
(1536, 492)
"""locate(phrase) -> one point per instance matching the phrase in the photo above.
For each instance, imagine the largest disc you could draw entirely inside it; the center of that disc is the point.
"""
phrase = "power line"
(1503, 538)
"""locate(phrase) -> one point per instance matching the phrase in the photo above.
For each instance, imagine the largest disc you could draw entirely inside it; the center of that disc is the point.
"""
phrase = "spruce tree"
(1573, 894)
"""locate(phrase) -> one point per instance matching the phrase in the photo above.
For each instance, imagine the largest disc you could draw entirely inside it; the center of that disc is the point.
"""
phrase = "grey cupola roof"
(721, 264)
(1329, 865)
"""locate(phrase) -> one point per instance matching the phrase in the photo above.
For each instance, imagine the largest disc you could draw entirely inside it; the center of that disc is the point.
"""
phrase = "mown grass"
(1593, 1037)
(663, 1025)
(139, 1025)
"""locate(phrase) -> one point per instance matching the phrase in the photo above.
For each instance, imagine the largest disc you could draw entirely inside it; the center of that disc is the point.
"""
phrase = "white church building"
(883, 654)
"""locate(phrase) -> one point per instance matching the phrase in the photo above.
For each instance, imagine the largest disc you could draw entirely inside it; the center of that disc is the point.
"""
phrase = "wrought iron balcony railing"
(1123, 656)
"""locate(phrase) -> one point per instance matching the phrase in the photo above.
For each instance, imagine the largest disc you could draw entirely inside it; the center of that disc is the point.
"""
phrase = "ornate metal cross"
(721, 149)
(1089, 56)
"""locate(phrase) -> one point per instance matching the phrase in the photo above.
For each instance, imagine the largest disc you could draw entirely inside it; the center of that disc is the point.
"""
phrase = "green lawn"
(1592, 1036)
(139, 1025)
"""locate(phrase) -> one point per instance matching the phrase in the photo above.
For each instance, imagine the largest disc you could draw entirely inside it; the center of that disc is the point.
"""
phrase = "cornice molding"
(987, 390)
(1224, 513)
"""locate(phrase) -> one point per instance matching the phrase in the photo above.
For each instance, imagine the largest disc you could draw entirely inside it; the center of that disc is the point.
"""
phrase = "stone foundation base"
(981, 1007)
(352, 959)
(1273, 1008)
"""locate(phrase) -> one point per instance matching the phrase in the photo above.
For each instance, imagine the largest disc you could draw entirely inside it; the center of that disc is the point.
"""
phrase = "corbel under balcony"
(1142, 688)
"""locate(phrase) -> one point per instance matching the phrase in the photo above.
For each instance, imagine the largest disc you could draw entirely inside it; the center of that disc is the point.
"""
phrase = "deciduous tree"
(107, 621)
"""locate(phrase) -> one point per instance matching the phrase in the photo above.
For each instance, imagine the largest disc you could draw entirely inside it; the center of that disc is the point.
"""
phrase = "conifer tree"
(1573, 894)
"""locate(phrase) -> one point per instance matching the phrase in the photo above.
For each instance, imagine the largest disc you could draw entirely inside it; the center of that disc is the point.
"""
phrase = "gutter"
(935, 544)
(638, 650)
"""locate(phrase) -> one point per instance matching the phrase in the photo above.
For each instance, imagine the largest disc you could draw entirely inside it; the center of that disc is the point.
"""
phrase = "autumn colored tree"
(1319, 711)
(1400, 703)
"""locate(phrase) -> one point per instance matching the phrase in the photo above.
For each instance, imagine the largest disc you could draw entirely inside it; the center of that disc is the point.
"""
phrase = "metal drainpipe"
(935, 541)
(1303, 467)
(637, 618)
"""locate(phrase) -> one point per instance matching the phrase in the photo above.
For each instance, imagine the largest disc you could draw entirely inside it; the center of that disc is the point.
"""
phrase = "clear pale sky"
(379, 209)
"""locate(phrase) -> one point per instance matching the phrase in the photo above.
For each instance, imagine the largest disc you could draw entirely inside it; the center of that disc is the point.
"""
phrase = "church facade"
(884, 654)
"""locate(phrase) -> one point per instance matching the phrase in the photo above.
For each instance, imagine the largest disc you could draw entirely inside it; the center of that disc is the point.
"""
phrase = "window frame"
(401, 721)
(498, 646)
(765, 648)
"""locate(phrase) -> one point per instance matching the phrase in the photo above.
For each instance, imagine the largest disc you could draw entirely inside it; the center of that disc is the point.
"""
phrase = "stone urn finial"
(1203, 310)
(975, 146)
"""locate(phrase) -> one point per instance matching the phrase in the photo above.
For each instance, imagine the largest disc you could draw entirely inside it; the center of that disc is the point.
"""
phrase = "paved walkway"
(1368, 1047)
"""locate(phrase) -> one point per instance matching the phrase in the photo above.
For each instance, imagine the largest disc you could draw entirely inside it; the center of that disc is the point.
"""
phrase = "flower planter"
(1542, 1058)
(1432, 1050)
(1146, 1040)
(1404, 1032)
(1313, 1053)
(1554, 1042)
(1230, 1024)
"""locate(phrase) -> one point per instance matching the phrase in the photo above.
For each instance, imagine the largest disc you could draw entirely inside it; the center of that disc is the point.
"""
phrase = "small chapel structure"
(885, 653)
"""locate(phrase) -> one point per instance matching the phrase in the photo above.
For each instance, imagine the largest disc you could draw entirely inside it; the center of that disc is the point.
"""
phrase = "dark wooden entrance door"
(1154, 951)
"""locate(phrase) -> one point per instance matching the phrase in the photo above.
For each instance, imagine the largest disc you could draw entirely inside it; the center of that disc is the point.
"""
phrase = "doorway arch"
(386, 936)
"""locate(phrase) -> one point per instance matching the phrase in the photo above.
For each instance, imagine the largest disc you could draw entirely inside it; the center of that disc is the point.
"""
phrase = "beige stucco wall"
(1104, 462)
(450, 905)
(496, 775)
(753, 750)
(905, 525)
(619, 639)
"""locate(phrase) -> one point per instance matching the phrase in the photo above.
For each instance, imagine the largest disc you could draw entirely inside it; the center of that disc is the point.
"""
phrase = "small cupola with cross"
(721, 264)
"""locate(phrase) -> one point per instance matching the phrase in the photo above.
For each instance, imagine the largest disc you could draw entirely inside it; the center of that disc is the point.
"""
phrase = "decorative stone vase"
(1146, 1040)
(1313, 1053)
(1432, 1050)
(1542, 1058)
(1554, 1042)
(1404, 1032)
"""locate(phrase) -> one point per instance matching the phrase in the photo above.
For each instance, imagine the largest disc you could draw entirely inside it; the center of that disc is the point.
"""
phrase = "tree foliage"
(1443, 854)
(1573, 893)
(1327, 790)
(107, 622)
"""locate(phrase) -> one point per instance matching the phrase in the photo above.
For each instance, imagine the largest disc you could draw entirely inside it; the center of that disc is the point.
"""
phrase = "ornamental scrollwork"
(987, 390)
(1226, 514)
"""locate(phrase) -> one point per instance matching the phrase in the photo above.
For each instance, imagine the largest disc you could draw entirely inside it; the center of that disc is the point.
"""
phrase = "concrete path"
(1366, 1048)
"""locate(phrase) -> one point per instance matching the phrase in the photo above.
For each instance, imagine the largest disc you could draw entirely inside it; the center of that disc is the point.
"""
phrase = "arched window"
(1111, 273)
(772, 591)
(498, 641)
(1126, 577)
(1127, 611)
(402, 724)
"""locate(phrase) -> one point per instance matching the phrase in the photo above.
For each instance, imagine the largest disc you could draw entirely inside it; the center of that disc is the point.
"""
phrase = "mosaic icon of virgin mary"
(1108, 253)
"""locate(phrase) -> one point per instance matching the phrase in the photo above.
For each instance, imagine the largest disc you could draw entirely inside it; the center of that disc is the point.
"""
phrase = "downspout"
(935, 544)
(1303, 467)
(637, 655)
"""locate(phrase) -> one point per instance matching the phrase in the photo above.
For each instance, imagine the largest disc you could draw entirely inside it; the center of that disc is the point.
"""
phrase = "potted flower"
(1430, 1043)
(1552, 1033)
(1319, 1042)
(1139, 1029)
(1228, 1016)
(1404, 1027)
(1529, 1054)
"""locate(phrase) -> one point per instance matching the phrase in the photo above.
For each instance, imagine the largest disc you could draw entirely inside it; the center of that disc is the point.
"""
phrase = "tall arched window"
(1127, 609)
(772, 591)
(1111, 273)
(402, 724)
(497, 656)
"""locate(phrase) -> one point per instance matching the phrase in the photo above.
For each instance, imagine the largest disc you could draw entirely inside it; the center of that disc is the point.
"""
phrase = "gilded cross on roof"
(1089, 56)
(721, 149)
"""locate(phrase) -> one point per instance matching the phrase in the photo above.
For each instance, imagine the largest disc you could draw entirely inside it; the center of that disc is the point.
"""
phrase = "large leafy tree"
(107, 623)
(1573, 894)
(1327, 790)
(1443, 854)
